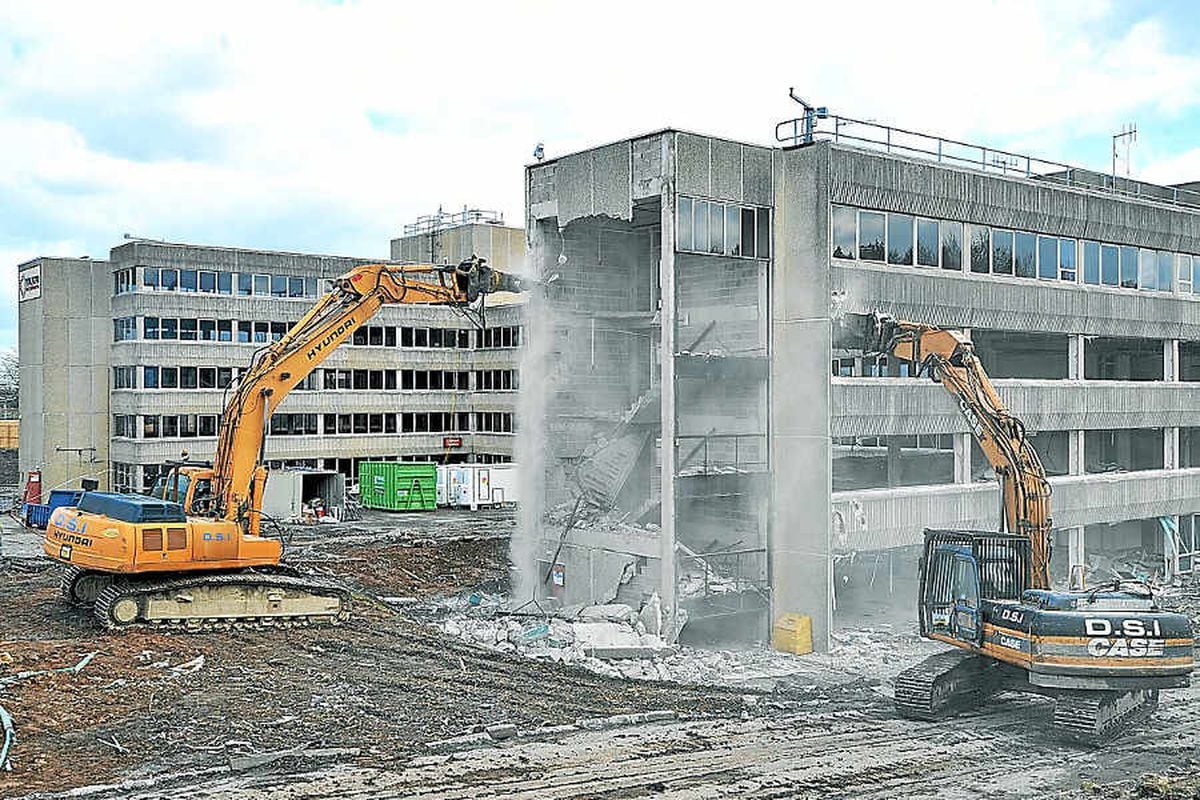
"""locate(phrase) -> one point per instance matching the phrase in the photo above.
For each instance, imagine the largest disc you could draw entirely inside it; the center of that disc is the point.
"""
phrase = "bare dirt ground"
(351, 712)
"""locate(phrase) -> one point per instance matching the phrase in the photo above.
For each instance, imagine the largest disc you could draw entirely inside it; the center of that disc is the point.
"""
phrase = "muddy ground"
(352, 711)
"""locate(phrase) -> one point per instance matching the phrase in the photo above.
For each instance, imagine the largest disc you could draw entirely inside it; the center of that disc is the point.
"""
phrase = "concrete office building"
(690, 385)
(124, 364)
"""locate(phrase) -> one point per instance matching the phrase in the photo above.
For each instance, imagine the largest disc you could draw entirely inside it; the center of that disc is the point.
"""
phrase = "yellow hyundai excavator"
(1102, 653)
(194, 553)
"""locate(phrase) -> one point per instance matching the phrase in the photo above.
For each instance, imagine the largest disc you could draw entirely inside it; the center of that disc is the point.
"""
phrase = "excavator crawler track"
(81, 587)
(944, 684)
(223, 601)
(1097, 717)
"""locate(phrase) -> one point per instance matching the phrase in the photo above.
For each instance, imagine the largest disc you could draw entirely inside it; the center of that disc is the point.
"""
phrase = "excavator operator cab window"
(166, 487)
(966, 599)
(201, 496)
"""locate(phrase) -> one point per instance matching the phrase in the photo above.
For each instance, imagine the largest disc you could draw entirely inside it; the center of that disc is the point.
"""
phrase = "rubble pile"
(1133, 563)
(1183, 599)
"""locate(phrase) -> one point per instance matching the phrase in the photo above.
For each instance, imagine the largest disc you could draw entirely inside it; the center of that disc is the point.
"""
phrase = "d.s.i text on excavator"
(195, 552)
(1102, 653)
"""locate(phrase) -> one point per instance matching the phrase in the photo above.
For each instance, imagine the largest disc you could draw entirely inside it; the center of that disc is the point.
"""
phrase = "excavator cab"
(188, 483)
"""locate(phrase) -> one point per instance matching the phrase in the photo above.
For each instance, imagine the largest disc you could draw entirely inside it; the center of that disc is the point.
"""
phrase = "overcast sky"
(326, 126)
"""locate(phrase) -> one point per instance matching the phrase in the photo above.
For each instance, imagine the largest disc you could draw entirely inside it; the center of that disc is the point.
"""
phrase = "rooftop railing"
(813, 127)
(444, 220)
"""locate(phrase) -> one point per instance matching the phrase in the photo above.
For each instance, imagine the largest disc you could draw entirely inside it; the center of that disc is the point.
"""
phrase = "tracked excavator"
(1102, 653)
(195, 553)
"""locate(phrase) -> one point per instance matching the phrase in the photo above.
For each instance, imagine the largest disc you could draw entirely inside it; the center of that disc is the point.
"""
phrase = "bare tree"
(10, 381)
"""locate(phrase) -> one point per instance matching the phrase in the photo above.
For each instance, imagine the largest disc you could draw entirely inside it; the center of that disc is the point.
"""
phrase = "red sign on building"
(451, 441)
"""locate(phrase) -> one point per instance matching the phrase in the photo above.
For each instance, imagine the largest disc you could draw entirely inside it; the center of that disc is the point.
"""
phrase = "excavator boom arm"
(276, 370)
(949, 358)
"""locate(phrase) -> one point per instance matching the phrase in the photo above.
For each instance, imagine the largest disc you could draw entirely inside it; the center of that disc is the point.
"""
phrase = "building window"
(1129, 268)
(927, 243)
(168, 279)
(900, 239)
(1025, 255)
(1091, 263)
(262, 285)
(870, 236)
(208, 330)
(1110, 265)
(169, 377)
(150, 278)
(245, 284)
(1147, 269)
(1047, 257)
(981, 249)
(224, 283)
(1066, 260)
(188, 329)
(1183, 269)
(169, 328)
(187, 280)
(208, 281)
(279, 286)
(124, 329)
(845, 232)
(952, 245)
(1166, 271)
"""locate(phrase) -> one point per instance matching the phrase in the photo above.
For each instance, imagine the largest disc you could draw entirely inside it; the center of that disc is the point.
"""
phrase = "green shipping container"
(398, 485)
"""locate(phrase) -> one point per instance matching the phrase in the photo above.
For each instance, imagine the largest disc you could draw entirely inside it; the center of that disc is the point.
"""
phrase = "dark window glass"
(278, 330)
(150, 377)
(208, 377)
(1002, 252)
(208, 282)
(464, 339)
(169, 279)
(224, 330)
(1066, 259)
(1129, 267)
(244, 331)
(763, 225)
(900, 239)
(170, 328)
(188, 330)
(1025, 255)
(224, 377)
(435, 337)
(389, 379)
(375, 423)
(981, 249)
(389, 336)
(187, 280)
(208, 330)
(406, 337)
(375, 336)
(245, 284)
(421, 337)
(150, 426)
(170, 377)
(262, 285)
(225, 283)
(170, 426)
(150, 277)
(927, 243)
(733, 231)
(1166, 271)
(406, 379)
(208, 425)
(844, 232)
(279, 285)
(375, 379)
(389, 423)
(360, 379)
(150, 328)
(1047, 255)
(345, 425)
(360, 423)
(700, 229)
(1091, 263)
(187, 378)
(1110, 265)
(359, 337)
(295, 287)
(952, 243)
(870, 236)
(747, 228)
(683, 228)
(329, 423)
(310, 287)
(262, 330)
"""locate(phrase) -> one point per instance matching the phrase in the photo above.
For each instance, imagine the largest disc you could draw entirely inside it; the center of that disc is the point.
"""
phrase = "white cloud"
(280, 93)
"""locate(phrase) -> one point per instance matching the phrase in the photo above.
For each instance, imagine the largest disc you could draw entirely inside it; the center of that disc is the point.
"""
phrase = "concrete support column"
(1077, 555)
(962, 458)
(666, 275)
(1171, 360)
(1075, 462)
(1170, 448)
(1075, 362)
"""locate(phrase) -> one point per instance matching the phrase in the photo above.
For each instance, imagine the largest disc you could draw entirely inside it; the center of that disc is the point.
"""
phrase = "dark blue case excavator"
(1102, 653)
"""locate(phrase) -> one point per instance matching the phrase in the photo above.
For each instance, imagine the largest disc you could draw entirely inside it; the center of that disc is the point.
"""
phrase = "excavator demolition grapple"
(194, 553)
(1101, 653)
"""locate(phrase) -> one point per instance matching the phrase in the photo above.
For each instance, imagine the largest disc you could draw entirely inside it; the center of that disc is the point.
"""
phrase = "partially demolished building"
(688, 383)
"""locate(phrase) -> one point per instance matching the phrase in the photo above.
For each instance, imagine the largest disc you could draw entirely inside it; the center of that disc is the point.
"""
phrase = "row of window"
(706, 226)
(245, 331)
(192, 426)
(156, 377)
(208, 281)
(905, 240)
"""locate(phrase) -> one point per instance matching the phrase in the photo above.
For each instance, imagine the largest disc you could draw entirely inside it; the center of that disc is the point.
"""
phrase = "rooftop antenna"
(811, 115)
(1127, 137)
